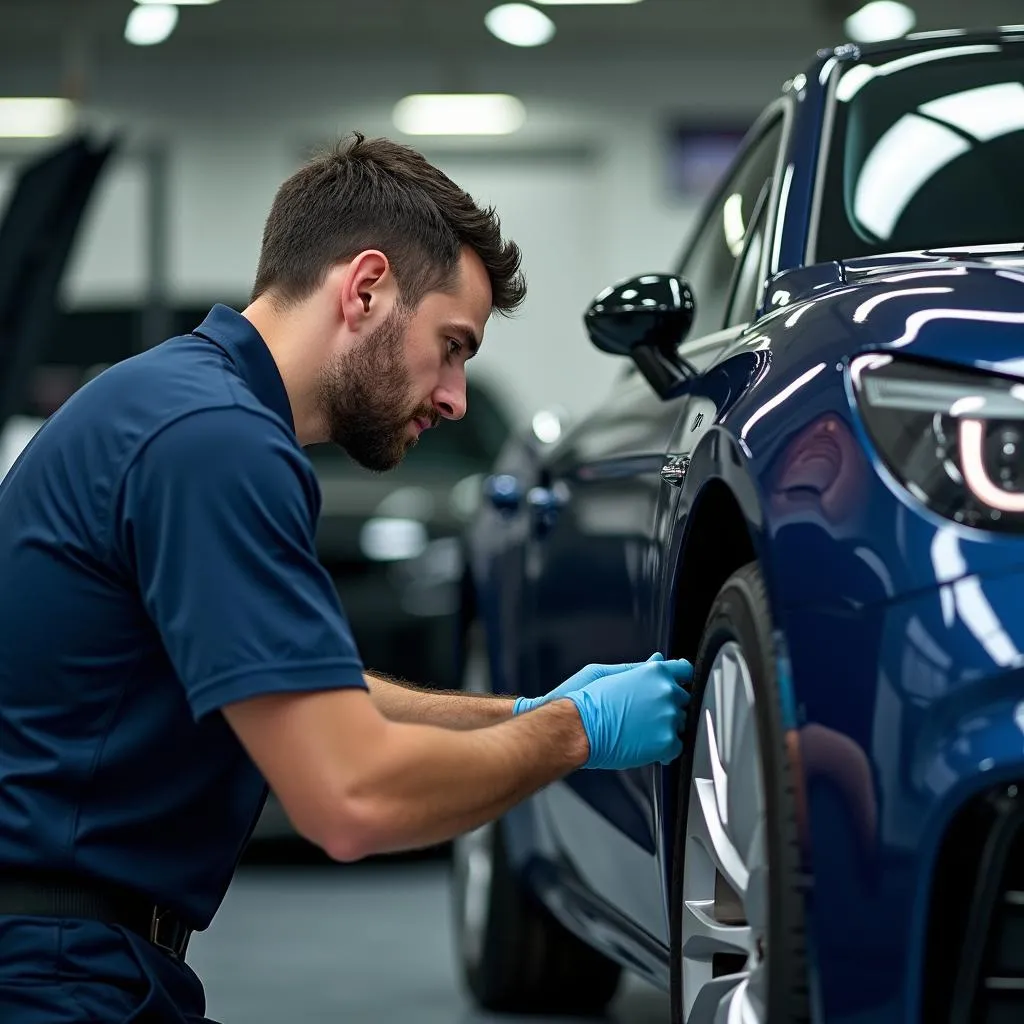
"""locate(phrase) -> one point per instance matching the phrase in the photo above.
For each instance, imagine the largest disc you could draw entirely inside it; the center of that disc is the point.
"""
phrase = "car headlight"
(953, 438)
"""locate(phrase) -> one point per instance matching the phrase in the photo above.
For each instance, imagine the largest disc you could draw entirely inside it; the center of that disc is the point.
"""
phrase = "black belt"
(38, 895)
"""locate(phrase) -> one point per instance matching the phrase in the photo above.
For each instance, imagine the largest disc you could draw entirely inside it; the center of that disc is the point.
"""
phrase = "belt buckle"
(166, 932)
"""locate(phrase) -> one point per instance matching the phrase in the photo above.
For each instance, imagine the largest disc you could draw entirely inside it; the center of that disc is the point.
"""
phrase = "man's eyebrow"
(468, 335)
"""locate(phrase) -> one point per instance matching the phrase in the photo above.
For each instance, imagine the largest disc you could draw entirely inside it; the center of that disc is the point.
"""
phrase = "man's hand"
(635, 718)
(585, 676)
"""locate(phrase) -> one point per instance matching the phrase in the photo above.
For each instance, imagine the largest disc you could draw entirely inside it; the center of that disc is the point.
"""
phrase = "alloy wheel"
(725, 866)
(472, 852)
(473, 866)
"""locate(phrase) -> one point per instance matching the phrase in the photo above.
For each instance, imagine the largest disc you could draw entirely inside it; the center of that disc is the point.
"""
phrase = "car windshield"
(926, 153)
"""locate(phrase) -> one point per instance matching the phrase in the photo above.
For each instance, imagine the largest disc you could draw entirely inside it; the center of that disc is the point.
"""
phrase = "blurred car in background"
(391, 540)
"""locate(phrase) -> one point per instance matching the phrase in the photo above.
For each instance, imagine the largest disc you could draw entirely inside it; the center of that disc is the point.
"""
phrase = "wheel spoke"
(705, 936)
(746, 801)
(711, 1004)
(757, 992)
(718, 775)
(709, 831)
(725, 693)
(737, 1007)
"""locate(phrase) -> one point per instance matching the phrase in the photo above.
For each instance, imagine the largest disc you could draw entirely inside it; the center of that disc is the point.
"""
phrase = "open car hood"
(37, 231)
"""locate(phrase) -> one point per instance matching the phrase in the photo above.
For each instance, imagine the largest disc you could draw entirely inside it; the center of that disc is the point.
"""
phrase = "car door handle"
(504, 492)
(674, 470)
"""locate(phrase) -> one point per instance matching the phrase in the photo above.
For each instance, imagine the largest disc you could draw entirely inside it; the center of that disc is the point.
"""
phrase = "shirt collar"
(234, 334)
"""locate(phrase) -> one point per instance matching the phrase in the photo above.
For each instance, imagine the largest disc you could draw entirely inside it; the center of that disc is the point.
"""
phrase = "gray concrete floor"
(349, 944)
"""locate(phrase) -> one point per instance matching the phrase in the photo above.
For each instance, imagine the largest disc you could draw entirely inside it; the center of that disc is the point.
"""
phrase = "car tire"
(513, 955)
(737, 911)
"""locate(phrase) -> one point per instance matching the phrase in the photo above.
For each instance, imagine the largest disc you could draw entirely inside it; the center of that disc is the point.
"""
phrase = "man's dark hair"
(377, 194)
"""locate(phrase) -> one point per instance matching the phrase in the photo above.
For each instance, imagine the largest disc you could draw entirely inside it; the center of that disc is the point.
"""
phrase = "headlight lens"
(953, 438)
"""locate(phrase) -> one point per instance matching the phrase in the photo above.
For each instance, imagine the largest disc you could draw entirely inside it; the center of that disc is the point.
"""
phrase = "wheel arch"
(720, 529)
(716, 542)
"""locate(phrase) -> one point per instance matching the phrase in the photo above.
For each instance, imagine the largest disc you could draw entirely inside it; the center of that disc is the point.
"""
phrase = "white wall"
(580, 187)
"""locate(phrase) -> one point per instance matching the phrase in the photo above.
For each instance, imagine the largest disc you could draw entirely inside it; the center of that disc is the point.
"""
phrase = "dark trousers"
(72, 972)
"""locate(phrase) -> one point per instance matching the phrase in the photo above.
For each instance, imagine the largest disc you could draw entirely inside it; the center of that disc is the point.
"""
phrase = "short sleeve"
(216, 520)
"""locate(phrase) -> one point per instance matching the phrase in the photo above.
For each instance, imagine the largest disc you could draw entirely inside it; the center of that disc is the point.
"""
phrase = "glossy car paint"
(904, 630)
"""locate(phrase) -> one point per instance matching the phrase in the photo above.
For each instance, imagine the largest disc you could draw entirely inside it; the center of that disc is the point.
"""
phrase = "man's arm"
(403, 702)
(355, 783)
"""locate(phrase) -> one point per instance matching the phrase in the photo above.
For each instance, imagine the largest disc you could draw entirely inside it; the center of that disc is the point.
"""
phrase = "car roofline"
(916, 42)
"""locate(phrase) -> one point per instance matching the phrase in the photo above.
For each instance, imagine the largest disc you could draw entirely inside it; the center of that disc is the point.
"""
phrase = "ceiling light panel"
(459, 114)
(520, 25)
(585, 3)
(880, 20)
(34, 117)
(150, 24)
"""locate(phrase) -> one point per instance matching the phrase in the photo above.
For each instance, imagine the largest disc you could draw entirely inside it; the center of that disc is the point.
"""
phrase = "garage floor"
(346, 944)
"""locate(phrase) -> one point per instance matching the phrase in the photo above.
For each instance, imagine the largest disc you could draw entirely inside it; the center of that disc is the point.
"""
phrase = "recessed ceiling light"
(459, 114)
(880, 20)
(176, 3)
(520, 25)
(581, 3)
(150, 24)
(34, 117)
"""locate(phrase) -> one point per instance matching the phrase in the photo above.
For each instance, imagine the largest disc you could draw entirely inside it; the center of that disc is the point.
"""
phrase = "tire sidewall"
(740, 614)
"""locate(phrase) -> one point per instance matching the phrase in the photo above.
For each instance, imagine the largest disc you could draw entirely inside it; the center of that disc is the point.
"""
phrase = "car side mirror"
(645, 318)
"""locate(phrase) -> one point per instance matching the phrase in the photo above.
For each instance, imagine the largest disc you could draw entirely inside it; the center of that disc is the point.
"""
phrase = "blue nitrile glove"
(585, 675)
(635, 718)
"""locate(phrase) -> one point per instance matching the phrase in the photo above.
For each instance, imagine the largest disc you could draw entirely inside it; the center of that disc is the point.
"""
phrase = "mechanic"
(170, 645)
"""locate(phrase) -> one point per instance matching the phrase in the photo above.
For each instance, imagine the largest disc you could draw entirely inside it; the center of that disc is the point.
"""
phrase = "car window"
(747, 279)
(925, 155)
(710, 262)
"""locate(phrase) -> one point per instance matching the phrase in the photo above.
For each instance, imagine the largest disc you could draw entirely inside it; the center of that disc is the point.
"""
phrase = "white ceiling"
(450, 28)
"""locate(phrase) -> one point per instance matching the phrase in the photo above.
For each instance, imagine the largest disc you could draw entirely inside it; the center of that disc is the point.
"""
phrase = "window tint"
(710, 264)
(925, 155)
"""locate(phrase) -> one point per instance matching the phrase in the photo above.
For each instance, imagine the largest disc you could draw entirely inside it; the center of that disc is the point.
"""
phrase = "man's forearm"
(425, 785)
(402, 702)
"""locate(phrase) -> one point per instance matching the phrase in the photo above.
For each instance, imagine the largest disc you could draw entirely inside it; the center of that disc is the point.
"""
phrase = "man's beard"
(364, 397)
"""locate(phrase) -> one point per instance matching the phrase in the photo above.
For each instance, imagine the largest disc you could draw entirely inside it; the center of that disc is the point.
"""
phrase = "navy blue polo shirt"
(158, 562)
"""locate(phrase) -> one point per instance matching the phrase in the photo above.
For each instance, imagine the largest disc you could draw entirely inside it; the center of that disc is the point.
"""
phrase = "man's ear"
(366, 289)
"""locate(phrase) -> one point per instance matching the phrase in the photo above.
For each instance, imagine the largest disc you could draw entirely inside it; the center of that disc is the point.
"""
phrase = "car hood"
(962, 306)
(38, 229)
(1003, 256)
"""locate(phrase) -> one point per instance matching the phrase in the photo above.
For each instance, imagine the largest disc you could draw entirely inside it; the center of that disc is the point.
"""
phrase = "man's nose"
(450, 401)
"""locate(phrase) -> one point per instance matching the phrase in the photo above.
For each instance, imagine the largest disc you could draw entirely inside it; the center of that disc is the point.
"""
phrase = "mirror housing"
(645, 318)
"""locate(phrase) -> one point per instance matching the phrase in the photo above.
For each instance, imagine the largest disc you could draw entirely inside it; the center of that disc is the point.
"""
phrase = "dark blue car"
(809, 481)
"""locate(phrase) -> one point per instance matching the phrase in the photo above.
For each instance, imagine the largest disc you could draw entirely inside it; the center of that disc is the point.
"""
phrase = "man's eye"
(454, 347)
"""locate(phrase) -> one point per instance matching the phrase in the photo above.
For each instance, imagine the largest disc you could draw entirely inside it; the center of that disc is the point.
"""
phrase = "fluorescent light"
(459, 114)
(879, 20)
(34, 117)
(520, 25)
(149, 24)
(175, 3)
(581, 3)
